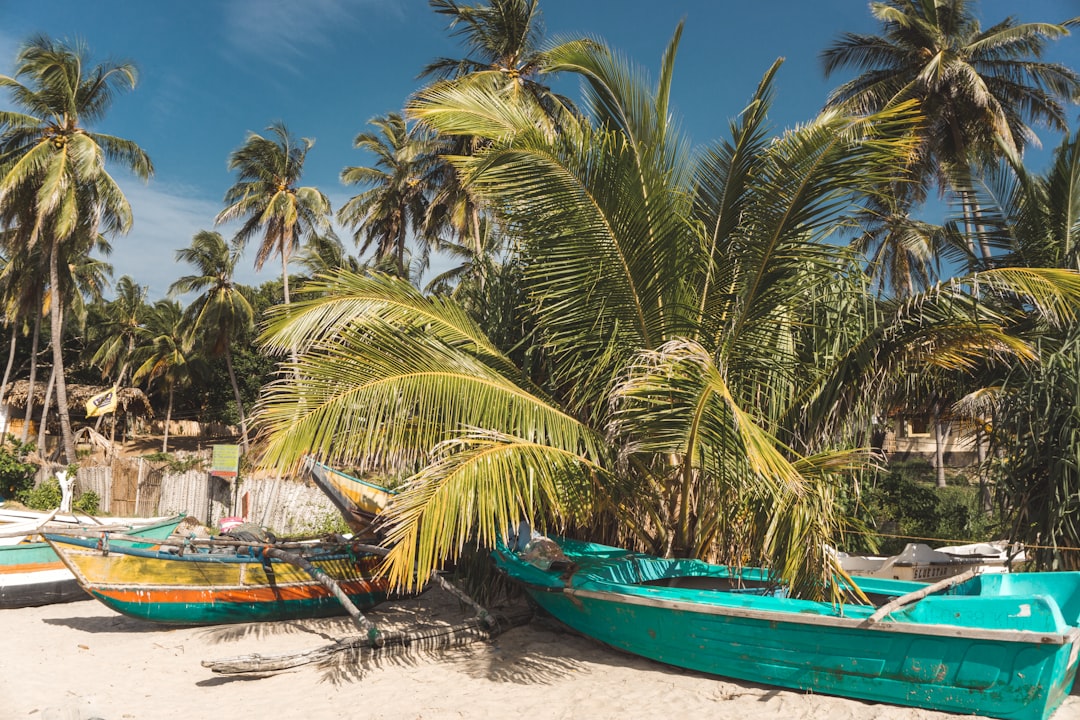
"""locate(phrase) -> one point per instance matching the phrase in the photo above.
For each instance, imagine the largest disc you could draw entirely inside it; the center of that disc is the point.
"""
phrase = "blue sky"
(213, 70)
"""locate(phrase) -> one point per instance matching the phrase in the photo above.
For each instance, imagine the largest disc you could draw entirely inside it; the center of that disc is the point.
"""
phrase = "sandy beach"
(80, 660)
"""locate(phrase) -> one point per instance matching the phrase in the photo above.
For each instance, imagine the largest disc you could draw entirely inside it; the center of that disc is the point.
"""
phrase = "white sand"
(79, 661)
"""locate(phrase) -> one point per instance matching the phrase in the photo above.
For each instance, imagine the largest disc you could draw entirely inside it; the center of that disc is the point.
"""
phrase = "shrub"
(174, 464)
(16, 475)
(45, 496)
(906, 502)
(89, 502)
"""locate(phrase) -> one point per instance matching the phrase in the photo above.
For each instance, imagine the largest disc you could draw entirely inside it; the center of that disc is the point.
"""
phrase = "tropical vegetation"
(685, 349)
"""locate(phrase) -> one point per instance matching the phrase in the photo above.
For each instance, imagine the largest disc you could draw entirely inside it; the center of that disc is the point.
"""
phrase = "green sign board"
(225, 461)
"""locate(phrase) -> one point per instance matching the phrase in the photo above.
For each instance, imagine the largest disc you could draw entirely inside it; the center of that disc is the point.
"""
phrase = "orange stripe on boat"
(260, 594)
(30, 567)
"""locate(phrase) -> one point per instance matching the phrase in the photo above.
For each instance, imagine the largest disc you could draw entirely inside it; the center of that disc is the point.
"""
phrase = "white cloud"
(166, 218)
(282, 31)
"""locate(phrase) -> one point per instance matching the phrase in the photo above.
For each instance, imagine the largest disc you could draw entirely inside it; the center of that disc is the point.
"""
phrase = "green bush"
(89, 502)
(16, 475)
(48, 495)
(174, 465)
(329, 523)
(45, 496)
(905, 502)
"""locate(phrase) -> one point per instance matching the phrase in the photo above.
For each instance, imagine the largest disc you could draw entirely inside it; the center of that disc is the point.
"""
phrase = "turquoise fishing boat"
(1001, 645)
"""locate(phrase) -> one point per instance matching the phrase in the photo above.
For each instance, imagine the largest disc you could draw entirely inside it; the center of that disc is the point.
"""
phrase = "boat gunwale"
(90, 546)
(354, 479)
(1031, 637)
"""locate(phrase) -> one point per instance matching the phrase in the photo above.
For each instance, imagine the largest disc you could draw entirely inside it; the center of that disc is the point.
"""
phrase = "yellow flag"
(102, 403)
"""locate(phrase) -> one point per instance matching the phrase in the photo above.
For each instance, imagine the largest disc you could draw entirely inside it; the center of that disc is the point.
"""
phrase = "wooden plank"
(919, 594)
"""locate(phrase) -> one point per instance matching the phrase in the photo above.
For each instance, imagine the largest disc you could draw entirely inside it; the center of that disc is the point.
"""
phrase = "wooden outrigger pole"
(482, 626)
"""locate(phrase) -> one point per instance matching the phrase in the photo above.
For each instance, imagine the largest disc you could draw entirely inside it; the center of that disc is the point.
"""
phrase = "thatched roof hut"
(130, 400)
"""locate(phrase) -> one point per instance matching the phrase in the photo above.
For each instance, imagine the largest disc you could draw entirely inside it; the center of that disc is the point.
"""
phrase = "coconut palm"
(166, 355)
(221, 312)
(503, 39)
(711, 358)
(118, 329)
(504, 43)
(325, 254)
(396, 200)
(24, 286)
(1035, 409)
(978, 88)
(269, 199)
(52, 166)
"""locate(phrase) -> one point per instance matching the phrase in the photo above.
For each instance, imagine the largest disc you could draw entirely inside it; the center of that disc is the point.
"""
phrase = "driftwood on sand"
(383, 644)
(482, 626)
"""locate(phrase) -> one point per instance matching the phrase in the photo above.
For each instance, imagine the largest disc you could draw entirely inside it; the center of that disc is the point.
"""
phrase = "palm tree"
(396, 200)
(978, 89)
(503, 39)
(166, 354)
(1035, 409)
(23, 297)
(269, 198)
(52, 166)
(118, 329)
(706, 347)
(222, 311)
(325, 254)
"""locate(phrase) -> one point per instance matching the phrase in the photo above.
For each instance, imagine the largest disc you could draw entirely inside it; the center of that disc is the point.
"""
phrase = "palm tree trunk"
(34, 343)
(939, 448)
(984, 488)
(45, 410)
(285, 282)
(168, 419)
(236, 394)
(285, 267)
(58, 355)
(7, 376)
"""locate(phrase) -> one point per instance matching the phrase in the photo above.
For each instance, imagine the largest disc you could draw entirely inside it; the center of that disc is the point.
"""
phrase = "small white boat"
(31, 574)
(17, 524)
(918, 562)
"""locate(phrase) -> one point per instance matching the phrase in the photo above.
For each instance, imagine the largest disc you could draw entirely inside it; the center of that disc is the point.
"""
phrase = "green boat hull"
(1015, 658)
(216, 612)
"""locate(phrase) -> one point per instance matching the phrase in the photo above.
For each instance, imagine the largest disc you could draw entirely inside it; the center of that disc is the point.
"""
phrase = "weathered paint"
(359, 501)
(206, 588)
(1003, 646)
(31, 574)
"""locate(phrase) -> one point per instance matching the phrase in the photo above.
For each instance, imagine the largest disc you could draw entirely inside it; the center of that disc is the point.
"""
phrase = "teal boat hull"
(992, 646)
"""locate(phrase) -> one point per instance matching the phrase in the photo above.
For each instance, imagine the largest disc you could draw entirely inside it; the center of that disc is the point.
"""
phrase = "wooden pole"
(330, 584)
(916, 595)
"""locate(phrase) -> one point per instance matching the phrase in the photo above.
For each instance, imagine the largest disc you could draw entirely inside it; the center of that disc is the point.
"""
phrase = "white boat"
(17, 524)
(920, 563)
(31, 573)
